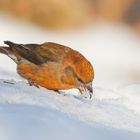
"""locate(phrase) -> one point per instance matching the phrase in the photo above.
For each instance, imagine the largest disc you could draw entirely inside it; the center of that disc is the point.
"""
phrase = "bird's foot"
(57, 91)
(32, 83)
(60, 92)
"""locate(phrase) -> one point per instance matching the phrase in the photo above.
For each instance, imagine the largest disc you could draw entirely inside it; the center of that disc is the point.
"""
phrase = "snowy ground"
(114, 111)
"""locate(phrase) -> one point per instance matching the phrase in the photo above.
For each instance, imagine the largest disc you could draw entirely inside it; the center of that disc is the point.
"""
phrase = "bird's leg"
(57, 91)
(32, 83)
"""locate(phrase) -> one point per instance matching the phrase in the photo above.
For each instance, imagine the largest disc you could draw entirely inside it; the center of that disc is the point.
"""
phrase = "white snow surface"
(27, 112)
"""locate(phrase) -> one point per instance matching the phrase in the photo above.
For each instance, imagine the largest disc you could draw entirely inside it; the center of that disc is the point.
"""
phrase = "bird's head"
(80, 72)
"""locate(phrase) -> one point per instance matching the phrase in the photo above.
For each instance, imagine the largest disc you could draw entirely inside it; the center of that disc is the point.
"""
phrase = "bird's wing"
(52, 51)
(26, 52)
(39, 53)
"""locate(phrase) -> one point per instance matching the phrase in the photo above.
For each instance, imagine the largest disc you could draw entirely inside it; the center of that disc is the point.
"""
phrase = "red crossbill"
(52, 66)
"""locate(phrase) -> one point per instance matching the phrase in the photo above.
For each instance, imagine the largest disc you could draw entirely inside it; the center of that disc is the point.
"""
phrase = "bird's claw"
(32, 83)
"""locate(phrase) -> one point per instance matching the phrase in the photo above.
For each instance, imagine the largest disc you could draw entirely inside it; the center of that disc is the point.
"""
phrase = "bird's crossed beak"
(90, 89)
(86, 90)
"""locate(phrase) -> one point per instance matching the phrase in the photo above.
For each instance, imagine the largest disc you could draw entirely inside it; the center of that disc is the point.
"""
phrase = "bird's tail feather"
(25, 52)
(8, 51)
(9, 43)
(5, 50)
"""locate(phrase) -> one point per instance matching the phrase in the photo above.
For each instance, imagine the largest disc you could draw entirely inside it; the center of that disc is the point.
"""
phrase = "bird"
(52, 66)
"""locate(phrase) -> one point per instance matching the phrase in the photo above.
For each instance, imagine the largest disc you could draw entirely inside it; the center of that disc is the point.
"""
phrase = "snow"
(27, 112)
(33, 122)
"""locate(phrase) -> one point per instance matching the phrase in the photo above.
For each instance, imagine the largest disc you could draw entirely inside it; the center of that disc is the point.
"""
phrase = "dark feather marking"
(7, 51)
(26, 52)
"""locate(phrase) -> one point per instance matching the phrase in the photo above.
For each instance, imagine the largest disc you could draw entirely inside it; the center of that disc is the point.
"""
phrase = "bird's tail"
(9, 43)
(9, 52)
(5, 50)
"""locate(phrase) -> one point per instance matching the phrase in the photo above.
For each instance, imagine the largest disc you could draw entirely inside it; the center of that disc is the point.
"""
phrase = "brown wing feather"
(52, 51)
(25, 52)
(39, 54)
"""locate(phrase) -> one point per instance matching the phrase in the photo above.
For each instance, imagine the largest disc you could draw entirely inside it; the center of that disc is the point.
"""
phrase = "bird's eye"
(79, 80)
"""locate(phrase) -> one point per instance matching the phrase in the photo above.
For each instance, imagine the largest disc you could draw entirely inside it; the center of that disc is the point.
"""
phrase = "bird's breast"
(46, 75)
